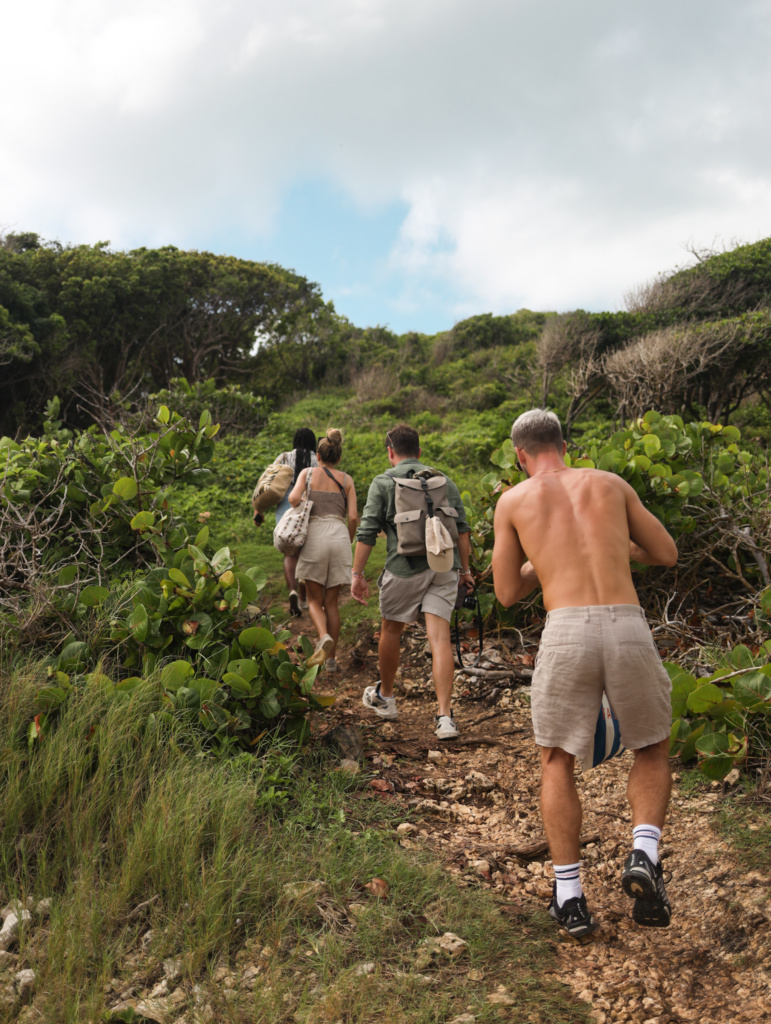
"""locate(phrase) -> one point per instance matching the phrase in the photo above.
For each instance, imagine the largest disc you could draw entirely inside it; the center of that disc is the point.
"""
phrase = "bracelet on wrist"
(360, 574)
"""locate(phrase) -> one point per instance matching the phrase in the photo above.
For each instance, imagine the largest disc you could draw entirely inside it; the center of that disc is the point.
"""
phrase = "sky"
(422, 160)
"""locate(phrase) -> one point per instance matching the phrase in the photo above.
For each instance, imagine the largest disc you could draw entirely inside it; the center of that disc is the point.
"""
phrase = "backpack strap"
(331, 477)
(429, 499)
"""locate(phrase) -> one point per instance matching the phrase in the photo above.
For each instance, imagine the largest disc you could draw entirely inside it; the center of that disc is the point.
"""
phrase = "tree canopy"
(87, 322)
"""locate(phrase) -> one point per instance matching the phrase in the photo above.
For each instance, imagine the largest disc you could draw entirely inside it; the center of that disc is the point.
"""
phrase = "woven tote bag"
(292, 529)
(271, 487)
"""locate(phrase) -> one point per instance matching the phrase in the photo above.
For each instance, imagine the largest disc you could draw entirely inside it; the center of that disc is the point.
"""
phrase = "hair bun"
(334, 436)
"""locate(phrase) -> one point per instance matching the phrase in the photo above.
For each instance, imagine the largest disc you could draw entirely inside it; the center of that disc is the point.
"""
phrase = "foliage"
(719, 284)
(712, 495)
(149, 854)
(725, 718)
(76, 511)
(86, 322)
(235, 408)
(76, 507)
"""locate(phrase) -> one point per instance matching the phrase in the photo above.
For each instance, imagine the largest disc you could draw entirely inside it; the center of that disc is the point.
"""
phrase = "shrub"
(724, 719)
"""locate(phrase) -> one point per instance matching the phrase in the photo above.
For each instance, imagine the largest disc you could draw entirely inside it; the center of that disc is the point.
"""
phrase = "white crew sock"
(568, 878)
(646, 838)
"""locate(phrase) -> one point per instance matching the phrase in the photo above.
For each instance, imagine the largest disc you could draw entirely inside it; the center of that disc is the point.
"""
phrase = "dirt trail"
(475, 803)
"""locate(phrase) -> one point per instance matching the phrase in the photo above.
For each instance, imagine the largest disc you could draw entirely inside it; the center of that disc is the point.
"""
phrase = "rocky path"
(475, 803)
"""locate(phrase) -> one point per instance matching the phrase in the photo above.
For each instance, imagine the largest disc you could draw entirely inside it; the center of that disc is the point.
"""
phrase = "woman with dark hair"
(302, 456)
(325, 557)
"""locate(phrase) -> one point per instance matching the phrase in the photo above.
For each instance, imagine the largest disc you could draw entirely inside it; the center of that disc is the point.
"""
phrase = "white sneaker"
(446, 729)
(383, 706)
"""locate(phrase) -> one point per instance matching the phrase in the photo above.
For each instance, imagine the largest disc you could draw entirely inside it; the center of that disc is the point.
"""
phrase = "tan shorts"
(402, 598)
(325, 557)
(585, 651)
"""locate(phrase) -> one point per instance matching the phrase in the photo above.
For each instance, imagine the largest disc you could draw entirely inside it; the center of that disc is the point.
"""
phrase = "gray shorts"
(585, 651)
(402, 598)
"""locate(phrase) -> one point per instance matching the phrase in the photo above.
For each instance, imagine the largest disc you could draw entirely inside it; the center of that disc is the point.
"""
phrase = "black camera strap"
(480, 632)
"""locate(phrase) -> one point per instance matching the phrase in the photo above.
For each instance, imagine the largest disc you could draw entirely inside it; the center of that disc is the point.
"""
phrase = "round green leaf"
(125, 488)
(741, 657)
(269, 705)
(142, 521)
(688, 749)
(717, 767)
(248, 588)
(139, 623)
(50, 698)
(73, 656)
(204, 687)
(753, 690)
(175, 673)
(179, 577)
(129, 685)
(69, 572)
(92, 596)
(731, 433)
(221, 560)
(244, 667)
(651, 444)
(237, 684)
(704, 698)
(259, 577)
(255, 638)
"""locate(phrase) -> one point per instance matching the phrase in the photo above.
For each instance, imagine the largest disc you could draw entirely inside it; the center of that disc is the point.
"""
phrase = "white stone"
(43, 909)
(364, 969)
(25, 983)
(172, 969)
(10, 930)
(500, 999)
(447, 943)
(298, 890)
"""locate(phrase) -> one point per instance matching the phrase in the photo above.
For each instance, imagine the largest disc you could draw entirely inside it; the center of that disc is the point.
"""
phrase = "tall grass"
(149, 851)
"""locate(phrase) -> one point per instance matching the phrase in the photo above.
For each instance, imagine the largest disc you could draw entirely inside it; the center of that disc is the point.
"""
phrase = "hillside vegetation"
(155, 707)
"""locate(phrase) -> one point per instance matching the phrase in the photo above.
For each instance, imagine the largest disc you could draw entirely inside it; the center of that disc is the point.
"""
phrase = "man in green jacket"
(409, 585)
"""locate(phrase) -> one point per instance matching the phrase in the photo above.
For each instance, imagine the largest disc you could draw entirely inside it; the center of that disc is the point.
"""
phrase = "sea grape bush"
(724, 719)
(92, 503)
(696, 478)
(113, 589)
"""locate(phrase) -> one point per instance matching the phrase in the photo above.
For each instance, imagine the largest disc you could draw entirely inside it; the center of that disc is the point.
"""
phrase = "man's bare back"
(574, 532)
(579, 528)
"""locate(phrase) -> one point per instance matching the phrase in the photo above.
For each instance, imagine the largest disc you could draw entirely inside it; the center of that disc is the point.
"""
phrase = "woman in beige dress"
(325, 559)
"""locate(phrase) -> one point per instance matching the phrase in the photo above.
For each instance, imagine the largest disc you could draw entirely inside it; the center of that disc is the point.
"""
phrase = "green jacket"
(380, 510)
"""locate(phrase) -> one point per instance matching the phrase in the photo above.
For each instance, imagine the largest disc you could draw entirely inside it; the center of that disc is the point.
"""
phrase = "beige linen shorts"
(325, 557)
(402, 598)
(587, 650)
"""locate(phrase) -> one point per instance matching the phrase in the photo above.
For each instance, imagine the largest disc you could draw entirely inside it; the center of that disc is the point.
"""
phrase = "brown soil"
(475, 804)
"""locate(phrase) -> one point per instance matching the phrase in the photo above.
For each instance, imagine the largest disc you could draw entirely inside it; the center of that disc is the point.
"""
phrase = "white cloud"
(552, 154)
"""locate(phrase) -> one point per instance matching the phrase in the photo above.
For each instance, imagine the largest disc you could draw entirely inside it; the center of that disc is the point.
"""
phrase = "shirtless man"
(574, 531)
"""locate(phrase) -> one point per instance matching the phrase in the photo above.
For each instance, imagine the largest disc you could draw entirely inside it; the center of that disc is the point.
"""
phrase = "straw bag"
(272, 486)
(292, 529)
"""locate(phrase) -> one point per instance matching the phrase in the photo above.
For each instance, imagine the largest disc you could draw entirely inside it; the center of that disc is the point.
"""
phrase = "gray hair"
(536, 431)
